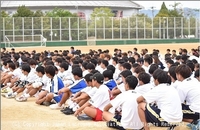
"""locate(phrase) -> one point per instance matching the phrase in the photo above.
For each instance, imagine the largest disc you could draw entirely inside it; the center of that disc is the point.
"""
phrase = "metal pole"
(136, 28)
(152, 28)
(112, 29)
(14, 30)
(189, 26)
(174, 28)
(104, 30)
(128, 27)
(60, 29)
(167, 29)
(144, 29)
(69, 29)
(120, 28)
(196, 28)
(95, 28)
(42, 26)
(164, 28)
(4, 31)
(23, 27)
(78, 27)
(182, 27)
(86, 28)
(159, 28)
(51, 28)
(32, 30)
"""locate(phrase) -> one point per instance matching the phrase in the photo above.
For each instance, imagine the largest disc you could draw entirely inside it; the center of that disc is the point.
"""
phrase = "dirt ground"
(124, 48)
(29, 116)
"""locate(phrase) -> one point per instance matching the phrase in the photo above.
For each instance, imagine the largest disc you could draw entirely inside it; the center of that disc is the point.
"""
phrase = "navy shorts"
(189, 114)
(115, 122)
(152, 114)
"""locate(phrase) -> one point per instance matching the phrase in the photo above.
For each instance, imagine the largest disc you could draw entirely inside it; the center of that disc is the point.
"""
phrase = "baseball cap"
(98, 77)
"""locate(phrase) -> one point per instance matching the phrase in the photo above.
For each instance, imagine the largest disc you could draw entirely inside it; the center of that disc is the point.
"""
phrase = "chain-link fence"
(67, 29)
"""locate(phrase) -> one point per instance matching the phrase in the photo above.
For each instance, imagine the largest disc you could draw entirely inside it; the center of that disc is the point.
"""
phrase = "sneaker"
(84, 117)
(22, 98)
(196, 125)
(68, 112)
(65, 109)
(56, 106)
(46, 103)
(4, 90)
(10, 95)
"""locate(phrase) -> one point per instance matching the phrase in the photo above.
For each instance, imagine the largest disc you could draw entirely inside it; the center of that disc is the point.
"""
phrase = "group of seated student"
(126, 92)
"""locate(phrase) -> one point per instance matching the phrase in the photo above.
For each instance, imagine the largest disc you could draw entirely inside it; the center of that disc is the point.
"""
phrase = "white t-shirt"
(85, 72)
(175, 84)
(92, 92)
(143, 88)
(189, 91)
(121, 87)
(167, 100)
(146, 68)
(101, 98)
(127, 100)
(45, 81)
(17, 73)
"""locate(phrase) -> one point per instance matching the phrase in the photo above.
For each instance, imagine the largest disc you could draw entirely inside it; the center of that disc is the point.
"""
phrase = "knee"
(86, 110)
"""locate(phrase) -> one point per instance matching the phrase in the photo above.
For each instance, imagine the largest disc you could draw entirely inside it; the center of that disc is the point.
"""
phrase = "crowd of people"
(128, 90)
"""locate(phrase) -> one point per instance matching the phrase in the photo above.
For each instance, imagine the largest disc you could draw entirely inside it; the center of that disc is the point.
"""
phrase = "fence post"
(14, 29)
(23, 27)
(95, 28)
(159, 28)
(104, 30)
(32, 30)
(152, 28)
(120, 28)
(51, 28)
(112, 29)
(182, 27)
(174, 28)
(86, 28)
(128, 27)
(60, 29)
(189, 26)
(69, 29)
(78, 27)
(167, 28)
(144, 29)
(136, 28)
(4, 30)
(42, 26)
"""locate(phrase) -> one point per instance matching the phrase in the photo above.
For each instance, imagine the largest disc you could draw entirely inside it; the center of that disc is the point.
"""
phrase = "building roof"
(119, 4)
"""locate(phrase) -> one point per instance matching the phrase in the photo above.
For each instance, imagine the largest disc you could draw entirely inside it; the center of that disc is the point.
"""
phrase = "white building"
(83, 8)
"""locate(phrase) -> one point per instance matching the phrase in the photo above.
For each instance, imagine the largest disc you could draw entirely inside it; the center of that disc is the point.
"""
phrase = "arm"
(82, 96)
(107, 107)
(140, 99)
(115, 91)
(78, 111)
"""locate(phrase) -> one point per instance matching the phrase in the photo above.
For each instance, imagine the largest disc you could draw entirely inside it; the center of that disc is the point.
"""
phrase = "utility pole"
(152, 8)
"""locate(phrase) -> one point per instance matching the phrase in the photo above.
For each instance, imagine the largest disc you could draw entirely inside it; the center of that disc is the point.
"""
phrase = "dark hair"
(111, 67)
(161, 76)
(152, 68)
(108, 74)
(183, 70)
(135, 65)
(131, 81)
(170, 61)
(196, 73)
(64, 65)
(115, 59)
(88, 77)
(59, 60)
(50, 69)
(144, 77)
(94, 61)
(191, 65)
(12, 65)
(90, 66)
(126, 73)
(148, 59)
(139, 69)
(16, 56)
(48, 62)
(32, 62)
(131, 60)
(26, 67)
(40, 69)
(84, 65)
(126, 66)
(172, 72)
(105, 62)
(77, 71)
(75, 66)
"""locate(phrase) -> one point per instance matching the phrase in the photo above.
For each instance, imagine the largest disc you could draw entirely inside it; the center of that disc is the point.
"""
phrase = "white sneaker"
(10, 95)
(56, 106)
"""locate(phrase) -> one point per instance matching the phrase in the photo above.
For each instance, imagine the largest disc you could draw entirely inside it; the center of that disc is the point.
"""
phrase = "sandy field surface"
(124, 48)
(29, 116)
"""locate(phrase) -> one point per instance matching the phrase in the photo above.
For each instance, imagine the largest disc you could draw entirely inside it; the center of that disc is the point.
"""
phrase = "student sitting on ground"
(39, 85)
(93, 109)
(53, 86)
(128, 118)
(168, 109)
(27, 79)
(108, 79)
(81, 97)
(189, 93)
(67, 91)
(144, 84)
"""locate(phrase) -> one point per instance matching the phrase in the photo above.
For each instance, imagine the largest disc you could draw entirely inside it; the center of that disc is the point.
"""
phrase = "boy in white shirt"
(27, 78)
(128, 118)
(144, 83)
(168, 109)
(94, 107)
(189, 93)
(172, 74)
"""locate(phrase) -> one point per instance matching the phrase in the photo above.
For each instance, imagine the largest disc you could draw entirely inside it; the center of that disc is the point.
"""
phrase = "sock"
(72, 105)
(76, 107)
(27, 95)
(15, 93)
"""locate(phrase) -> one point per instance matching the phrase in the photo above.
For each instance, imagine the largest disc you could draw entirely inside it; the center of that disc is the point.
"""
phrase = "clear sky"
(157, 4)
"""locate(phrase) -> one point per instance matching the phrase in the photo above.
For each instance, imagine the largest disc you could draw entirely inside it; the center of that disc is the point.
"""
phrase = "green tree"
(102, 12)
(176, 11)
(59, 12)
(38, 13)
(164, 12)
(23, 11)
(4, 14)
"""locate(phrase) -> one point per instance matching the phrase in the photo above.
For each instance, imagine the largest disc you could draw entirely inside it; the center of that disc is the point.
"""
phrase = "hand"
(78, 112)
(28, 86)
(60, 91)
